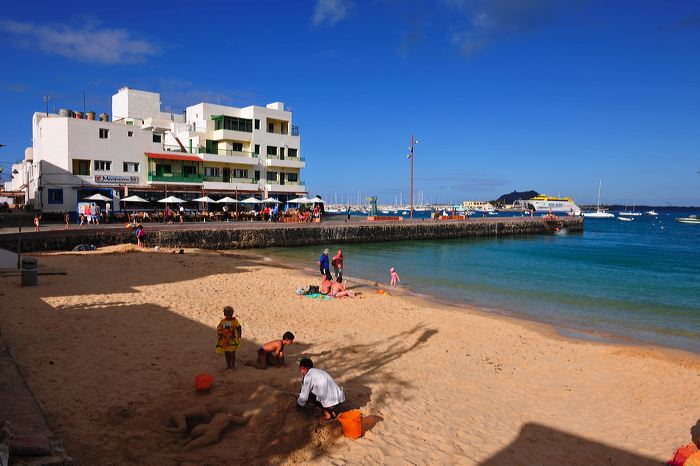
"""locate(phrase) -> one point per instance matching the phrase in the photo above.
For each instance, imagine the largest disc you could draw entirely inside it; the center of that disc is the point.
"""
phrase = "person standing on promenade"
(66, 217)
(319, 390)
(323, 264)
(337, 263)
(37, 219)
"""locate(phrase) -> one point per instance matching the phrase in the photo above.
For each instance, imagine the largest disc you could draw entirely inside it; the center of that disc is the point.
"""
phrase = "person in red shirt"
(337, 263)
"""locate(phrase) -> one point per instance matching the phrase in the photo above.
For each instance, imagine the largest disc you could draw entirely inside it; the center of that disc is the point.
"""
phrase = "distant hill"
(510, 198)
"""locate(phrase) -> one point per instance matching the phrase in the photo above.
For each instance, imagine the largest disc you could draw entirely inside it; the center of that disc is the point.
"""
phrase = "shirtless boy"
(272, 353)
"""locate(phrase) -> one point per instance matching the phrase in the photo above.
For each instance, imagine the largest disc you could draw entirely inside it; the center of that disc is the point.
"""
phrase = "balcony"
(285, 161)
(221, 179)
(187, 150)
(175, 177)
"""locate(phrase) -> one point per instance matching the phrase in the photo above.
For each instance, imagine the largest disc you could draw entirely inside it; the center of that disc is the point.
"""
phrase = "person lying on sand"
(319, 391)
(338, 290)
(272, 353)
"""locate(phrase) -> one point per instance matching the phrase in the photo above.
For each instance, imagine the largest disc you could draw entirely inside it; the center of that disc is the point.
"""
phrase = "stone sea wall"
(244, 236)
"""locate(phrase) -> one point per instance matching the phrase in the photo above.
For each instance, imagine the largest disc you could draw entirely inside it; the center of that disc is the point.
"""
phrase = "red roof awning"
(189, 158)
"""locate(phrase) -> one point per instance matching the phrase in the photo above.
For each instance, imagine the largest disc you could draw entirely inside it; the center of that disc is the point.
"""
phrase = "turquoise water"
(639, 279)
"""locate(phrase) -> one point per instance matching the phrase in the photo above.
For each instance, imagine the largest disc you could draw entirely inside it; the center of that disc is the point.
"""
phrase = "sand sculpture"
(268, 410)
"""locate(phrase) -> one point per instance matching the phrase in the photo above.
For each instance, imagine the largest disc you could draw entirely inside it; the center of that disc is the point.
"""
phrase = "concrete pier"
(240, 235)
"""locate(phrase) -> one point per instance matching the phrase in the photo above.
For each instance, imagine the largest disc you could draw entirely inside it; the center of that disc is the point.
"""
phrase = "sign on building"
(113, 179)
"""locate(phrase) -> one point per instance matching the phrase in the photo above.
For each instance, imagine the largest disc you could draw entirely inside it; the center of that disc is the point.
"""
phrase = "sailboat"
(599, 213)
(631, 213)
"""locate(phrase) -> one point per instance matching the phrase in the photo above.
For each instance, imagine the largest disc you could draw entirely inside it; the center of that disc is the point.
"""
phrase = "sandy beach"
(111, 348)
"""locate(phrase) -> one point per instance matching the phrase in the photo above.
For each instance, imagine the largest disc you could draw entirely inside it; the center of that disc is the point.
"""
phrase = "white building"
(209, 150)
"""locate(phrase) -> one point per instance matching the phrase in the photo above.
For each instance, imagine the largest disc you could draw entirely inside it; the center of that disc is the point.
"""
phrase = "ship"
(546, 204)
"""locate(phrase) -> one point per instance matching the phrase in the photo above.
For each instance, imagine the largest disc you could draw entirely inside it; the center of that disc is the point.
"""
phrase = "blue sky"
(502, 95)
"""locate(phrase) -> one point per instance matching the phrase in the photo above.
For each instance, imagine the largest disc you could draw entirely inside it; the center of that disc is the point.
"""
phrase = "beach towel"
(319, 296)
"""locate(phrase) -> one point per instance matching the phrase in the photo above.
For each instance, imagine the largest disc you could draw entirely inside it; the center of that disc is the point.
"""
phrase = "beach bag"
(312, 289)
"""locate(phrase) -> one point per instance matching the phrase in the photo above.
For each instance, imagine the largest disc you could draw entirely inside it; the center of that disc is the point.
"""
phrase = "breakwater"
(241, 235)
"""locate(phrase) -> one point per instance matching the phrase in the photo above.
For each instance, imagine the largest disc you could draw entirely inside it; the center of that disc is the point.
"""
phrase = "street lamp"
(410, 156)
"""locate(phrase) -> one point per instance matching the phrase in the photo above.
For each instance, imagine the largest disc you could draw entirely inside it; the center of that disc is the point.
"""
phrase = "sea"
(635, 281)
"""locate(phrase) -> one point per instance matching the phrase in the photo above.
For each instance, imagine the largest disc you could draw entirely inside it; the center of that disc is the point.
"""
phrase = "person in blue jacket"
(323, 264)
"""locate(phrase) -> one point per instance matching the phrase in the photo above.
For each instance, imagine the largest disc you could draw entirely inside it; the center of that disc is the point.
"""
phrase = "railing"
(286, 157)
(221, 179)
(230, 152)
(295, 131)
(175, 177)
(175, 148)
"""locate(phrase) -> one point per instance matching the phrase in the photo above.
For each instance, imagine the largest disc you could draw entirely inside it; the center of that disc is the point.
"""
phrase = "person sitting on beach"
(326, 286)
(228, 337)
(338, 290)
(319, 391)
(272, 353)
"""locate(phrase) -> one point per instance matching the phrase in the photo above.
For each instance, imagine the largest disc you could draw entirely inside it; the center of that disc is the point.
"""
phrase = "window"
(102, 165)
(233, 123)
(130, 134)
(240, 173)
(237, 146)
(212, 147)
(211, 171)
(257, 175)
(131, 167)
(81, 167)
(270, 127)
(55, 196)
(104, 133)
(189, 170)
(257, 124)
(293, 177)
(281, 153)
(271, 176)
(257, 148)
(130, 122)
(271, 150)
(157, 138)
(292, 152)
(162, 169)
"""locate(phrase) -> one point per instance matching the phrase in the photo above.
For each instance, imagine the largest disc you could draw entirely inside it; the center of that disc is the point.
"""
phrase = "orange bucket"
(352, 423)
(202, 382)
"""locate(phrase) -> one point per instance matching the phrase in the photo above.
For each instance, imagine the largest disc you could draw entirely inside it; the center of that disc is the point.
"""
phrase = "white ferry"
(544, 203)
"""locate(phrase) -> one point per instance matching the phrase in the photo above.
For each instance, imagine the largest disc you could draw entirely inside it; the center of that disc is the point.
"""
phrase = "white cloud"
(490, 21)
(88, 42)
(330, 11)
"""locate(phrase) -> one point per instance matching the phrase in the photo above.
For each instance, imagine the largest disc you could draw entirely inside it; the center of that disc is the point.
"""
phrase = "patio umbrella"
(98, 197)
(172, 200)
(299, 200)
(227, 200)
(251, 200)
(271, 200)
(134, 199)
(203, 199)
(316, 200)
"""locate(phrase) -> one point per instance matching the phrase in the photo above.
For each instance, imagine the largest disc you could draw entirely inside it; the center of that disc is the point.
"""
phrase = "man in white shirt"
(319, 390)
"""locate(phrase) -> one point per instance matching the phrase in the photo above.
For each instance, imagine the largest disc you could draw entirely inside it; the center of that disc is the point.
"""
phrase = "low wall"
(242, 235)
